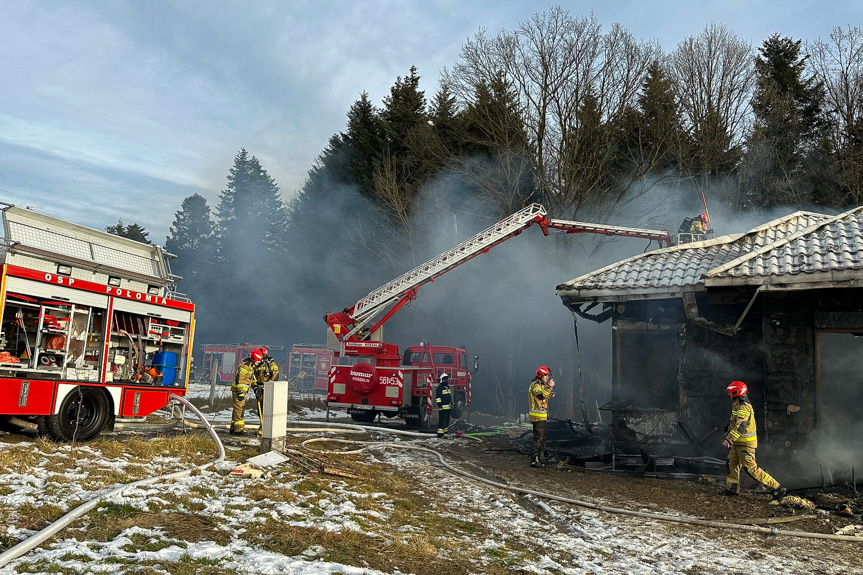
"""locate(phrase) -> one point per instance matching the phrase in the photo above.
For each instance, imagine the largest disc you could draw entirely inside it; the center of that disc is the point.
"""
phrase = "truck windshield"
(415, 358)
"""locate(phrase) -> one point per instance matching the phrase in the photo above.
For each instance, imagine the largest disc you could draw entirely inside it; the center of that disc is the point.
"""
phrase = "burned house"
(779, 307)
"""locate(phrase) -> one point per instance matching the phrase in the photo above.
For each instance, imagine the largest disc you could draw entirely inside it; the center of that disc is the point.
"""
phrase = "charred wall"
(791, 323)
(698, 362)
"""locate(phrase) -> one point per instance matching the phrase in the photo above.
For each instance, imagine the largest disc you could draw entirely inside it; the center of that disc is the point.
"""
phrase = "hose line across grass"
(48, 532)
(587, 504)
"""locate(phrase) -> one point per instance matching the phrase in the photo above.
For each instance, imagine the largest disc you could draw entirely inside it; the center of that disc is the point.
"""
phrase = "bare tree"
(838, 65)
(714, 76)
(554, 64)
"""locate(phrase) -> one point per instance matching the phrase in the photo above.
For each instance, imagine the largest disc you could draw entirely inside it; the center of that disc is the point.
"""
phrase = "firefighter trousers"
(442, 422)
(237, 421)
(743, 457)
(540, 434)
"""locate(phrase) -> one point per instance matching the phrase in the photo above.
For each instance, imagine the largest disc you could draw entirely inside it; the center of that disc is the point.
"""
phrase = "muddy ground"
(503, 457)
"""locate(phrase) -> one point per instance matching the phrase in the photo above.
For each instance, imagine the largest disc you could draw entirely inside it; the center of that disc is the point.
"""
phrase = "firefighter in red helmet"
(243, 380)
(698, 228)
(741, 439)
(266, 370)
(538, 393)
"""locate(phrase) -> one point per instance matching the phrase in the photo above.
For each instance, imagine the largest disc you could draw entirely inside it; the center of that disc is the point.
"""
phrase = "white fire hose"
(48, 532)
(586, 504)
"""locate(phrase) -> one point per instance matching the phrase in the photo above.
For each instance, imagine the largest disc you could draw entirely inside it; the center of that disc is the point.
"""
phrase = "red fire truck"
(381, 381)
(225, 357)
(91, 329)
(309, 367)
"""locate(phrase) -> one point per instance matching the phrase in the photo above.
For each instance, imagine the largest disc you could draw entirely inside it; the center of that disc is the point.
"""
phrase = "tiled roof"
(831, 250)
(672, 270)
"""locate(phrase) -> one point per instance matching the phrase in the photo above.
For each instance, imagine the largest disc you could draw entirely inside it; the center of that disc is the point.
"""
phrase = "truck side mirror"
(475, 363)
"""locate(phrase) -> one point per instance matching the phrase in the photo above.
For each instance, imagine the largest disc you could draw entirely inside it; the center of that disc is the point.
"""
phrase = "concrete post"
(214, 375)
(274, 421)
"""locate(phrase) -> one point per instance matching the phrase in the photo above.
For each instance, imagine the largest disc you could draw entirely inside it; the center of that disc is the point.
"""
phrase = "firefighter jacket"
(538, 395)
(266, 371)
(741, 427)
(443, 396)
(245, 377)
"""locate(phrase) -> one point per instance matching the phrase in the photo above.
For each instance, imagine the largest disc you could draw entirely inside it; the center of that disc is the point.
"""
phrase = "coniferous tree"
(364, 142)
(191, 239)
(788, 127)
(251, 215)
(132, 231)
(495, 146)
(250, 252)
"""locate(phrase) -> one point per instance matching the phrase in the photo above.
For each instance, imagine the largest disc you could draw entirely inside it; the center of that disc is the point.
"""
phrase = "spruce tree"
(191, 239)
(133, 231)
(788, 126)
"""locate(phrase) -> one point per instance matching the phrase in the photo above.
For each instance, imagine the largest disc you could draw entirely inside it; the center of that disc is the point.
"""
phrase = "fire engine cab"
(381, 381)
(91, 329)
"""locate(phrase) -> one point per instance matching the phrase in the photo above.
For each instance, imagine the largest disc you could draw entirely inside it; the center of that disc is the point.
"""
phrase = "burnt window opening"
(840, 392)
(647, 365)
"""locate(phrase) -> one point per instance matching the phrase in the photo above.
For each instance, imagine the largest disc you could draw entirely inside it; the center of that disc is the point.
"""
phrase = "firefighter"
(741, 439)
(443, 397)
(267, 370)
(698, 228)
(540, 390)
(243, 380)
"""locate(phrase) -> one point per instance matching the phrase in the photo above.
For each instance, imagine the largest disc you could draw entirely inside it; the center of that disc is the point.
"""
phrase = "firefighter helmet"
(256, 355)
(703, 218)
(543, 370)
(443, 379)
(737, 388)
(264, 351)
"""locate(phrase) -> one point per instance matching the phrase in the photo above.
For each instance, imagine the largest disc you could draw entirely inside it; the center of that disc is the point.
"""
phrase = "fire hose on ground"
(48, 532)
(587, 504)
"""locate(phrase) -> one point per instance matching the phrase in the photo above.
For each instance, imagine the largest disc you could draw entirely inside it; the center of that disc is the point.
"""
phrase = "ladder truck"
(379, 379)
(90, 328)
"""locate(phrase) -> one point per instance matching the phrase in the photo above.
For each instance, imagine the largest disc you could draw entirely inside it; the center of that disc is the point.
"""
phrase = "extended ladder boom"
(351, 324)
(369, 306)
(571, 227)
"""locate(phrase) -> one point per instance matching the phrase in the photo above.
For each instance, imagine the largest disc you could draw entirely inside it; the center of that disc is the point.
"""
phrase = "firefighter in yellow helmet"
(741, 439)
(243, 380)
(538, 393)
(266, 370)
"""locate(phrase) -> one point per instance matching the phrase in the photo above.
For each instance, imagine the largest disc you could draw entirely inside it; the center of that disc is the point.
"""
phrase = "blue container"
(166, 362)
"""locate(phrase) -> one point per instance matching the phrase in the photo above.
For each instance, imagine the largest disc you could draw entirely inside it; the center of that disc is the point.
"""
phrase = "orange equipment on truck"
(379, 381)
(91, 329)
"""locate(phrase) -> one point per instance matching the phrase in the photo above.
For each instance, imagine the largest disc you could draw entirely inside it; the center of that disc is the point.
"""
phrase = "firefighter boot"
(778, 493)
(730, 492)
(535, 462)
(546, 458)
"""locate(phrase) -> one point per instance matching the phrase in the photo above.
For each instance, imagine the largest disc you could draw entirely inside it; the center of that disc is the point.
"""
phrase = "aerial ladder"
(351, 326)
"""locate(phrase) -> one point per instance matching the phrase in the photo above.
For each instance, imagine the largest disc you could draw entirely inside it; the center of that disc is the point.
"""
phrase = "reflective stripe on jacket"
(443, 396)
(741, 427)
(261, 374)
(537, 397)
(245, 377)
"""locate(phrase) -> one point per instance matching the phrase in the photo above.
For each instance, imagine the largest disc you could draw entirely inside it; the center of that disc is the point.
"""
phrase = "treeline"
(557, 111)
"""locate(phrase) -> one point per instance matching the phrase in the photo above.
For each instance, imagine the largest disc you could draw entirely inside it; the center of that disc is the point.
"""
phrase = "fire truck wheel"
(82, 416)
(424, 421)
(365, 417)
(458, 405)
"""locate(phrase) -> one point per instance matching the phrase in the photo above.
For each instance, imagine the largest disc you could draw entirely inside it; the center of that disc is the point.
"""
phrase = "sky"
(119, 110)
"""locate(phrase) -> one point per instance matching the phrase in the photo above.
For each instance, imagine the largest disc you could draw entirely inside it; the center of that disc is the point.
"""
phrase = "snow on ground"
(565, 539)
